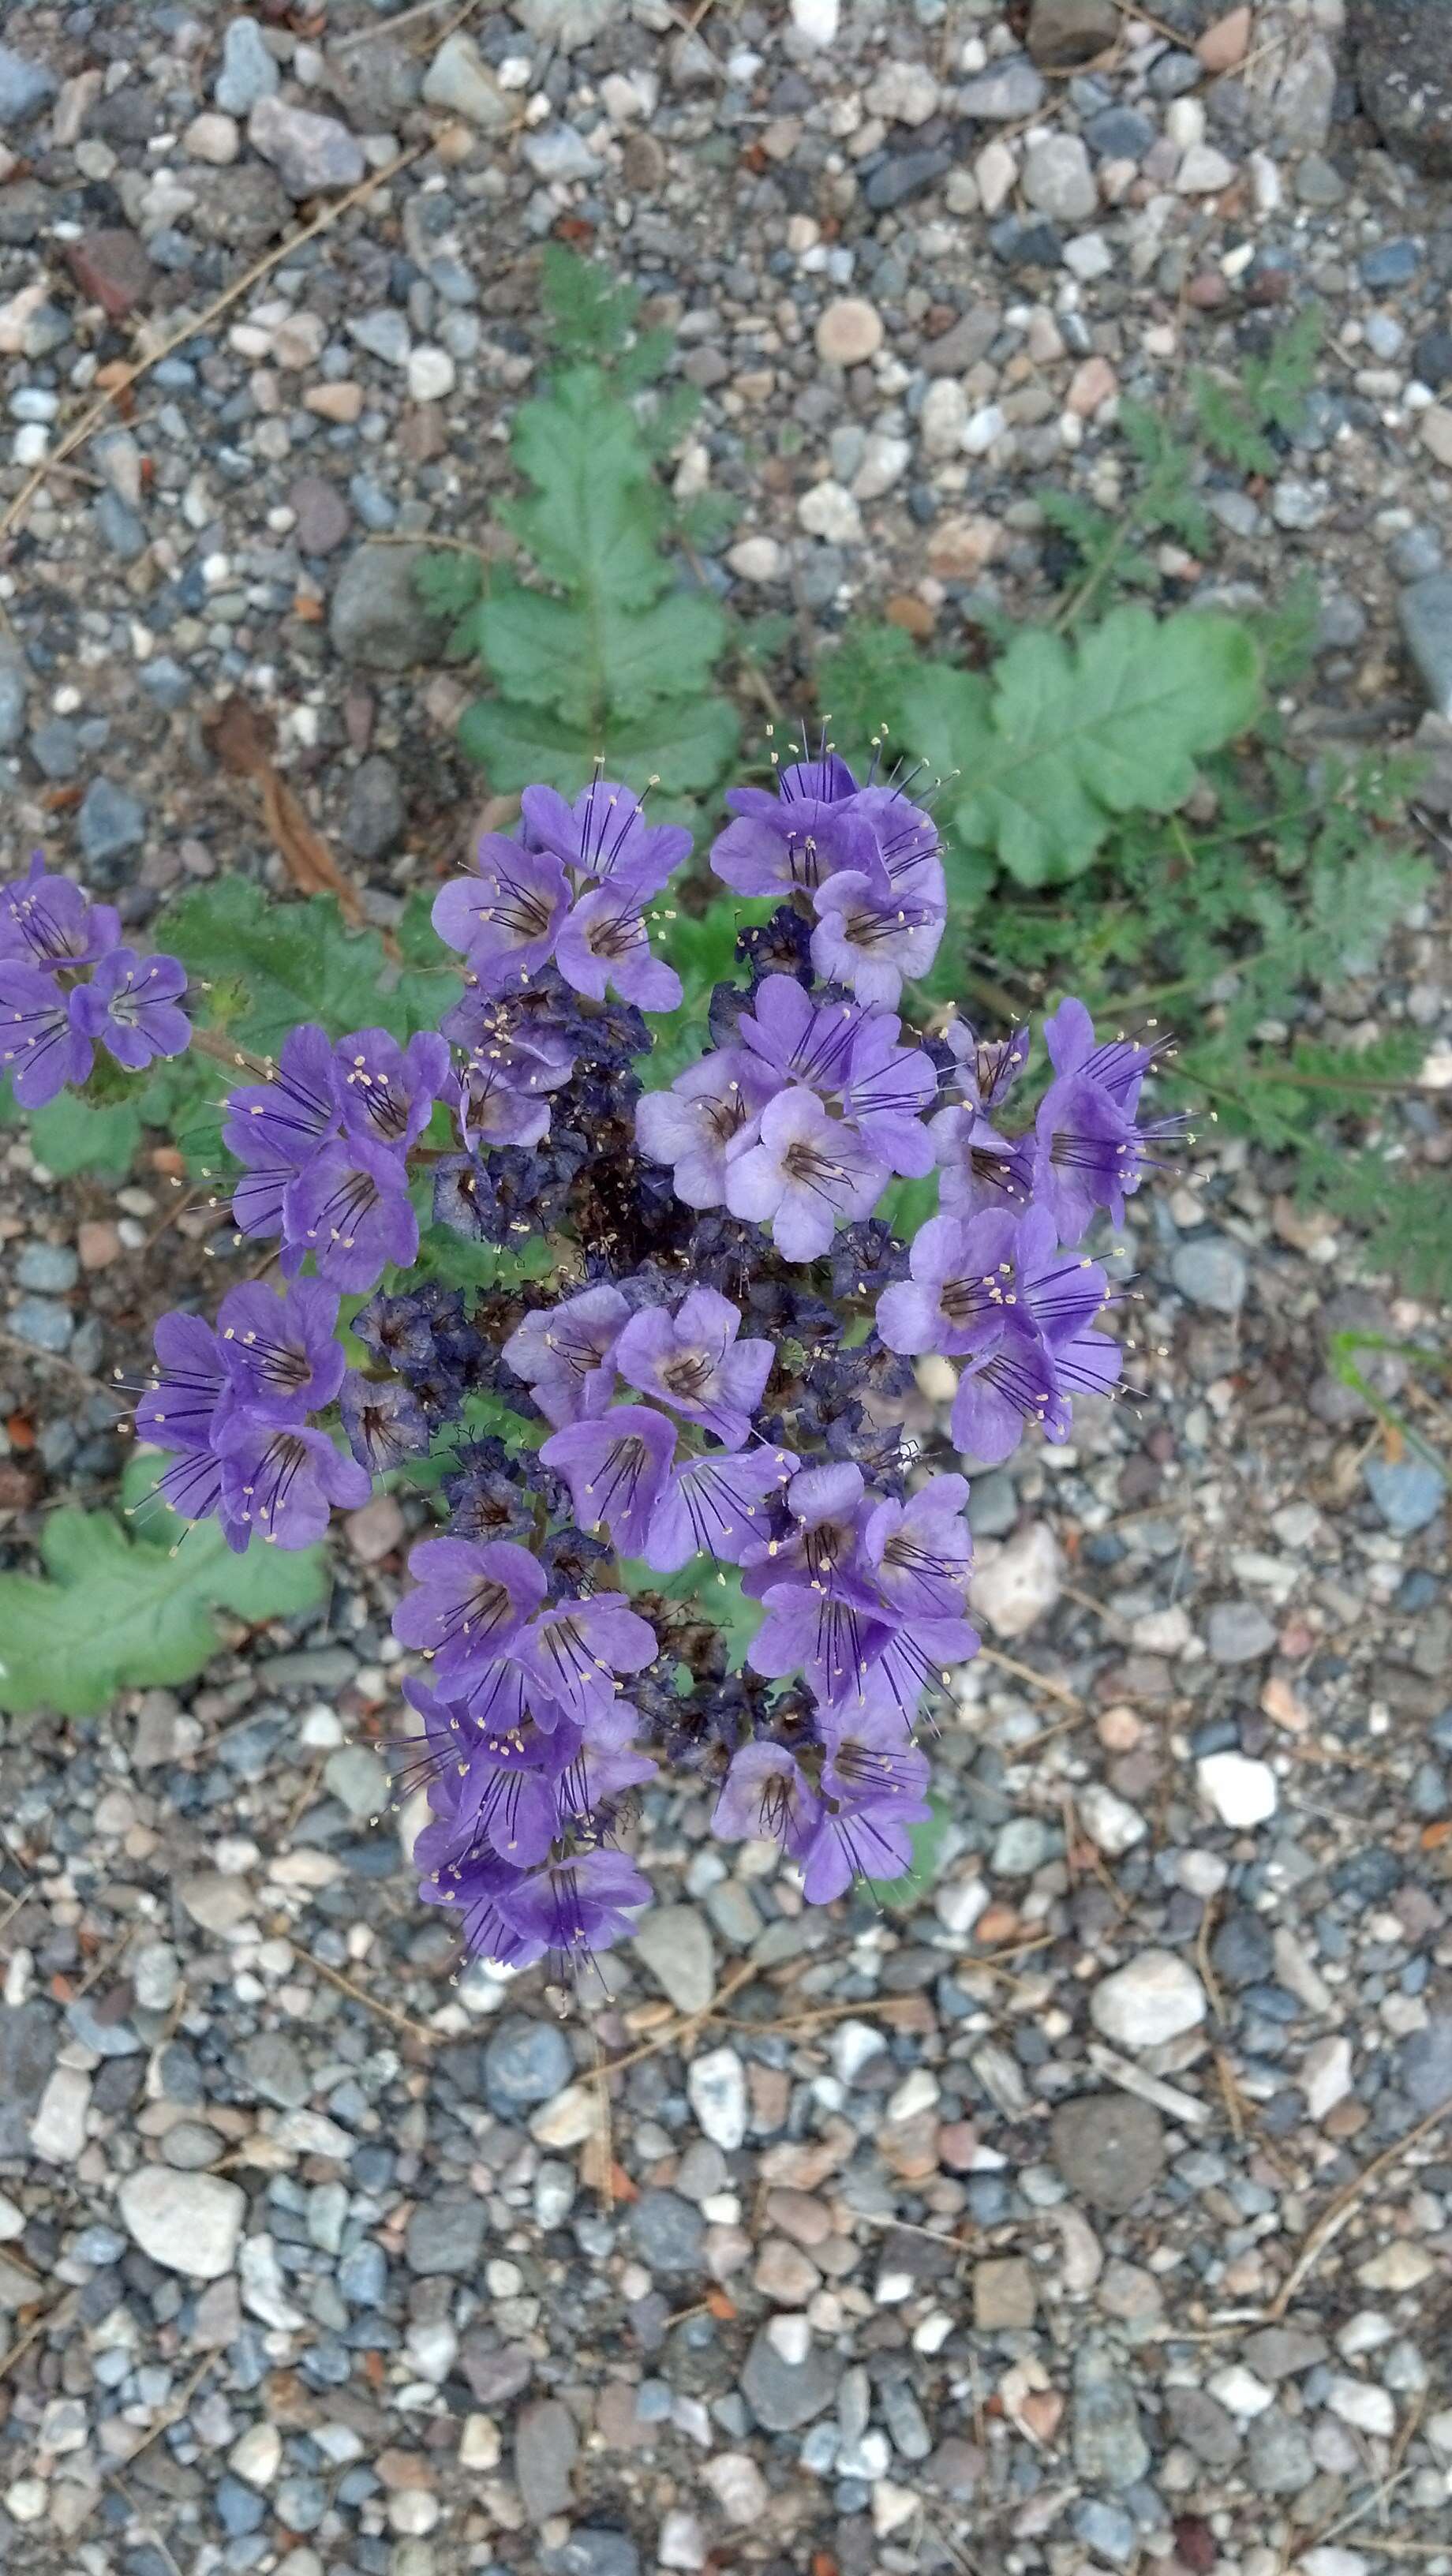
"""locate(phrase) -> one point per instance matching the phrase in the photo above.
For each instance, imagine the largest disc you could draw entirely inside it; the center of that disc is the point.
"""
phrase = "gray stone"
(55, 747)
(249, 72)
(1238, 1632)
(446, 2234)
(784, 2395)
(1011, 90)
(1408, 1492)
(1108, 2442)
(274, 2068)
(324, 520)
(1119, 134)
(1021, 1846)
(676, 1946)
(50, 1267)
(1058, 180)
(1403, 63)
(1203, 2424)
(119, 528)
(1393, 263)
(1065, 33)
(25, 87)
(1278, 2457)
(1425, 612)
(525, 2062)
(1107, 2529)
(1319, 183)
(28, 2041)
(460, 80)
(42, 1323)
(668, 2232)
(110, 822)
(1110, 2149)
(591, 2550)
(1416, 552)
(1283, 2352)
(377, 618)
(558, 152)
(964, 342)
(373, 818)
(545, 2445)
(565, 25)
(309, 153)
(1211, 1272)
(14, 682)
(384, 334)
(1425, 2065)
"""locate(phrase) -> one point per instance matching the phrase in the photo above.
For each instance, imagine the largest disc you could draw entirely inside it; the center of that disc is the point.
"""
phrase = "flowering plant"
(688, 1372)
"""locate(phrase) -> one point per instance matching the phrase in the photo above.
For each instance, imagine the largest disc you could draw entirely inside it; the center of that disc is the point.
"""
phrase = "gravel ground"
(1098, 2213)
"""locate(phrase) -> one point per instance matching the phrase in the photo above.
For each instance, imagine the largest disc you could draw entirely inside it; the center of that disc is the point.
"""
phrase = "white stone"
(738, 2487)
(257, 2457)
(213, 137)
(1369, 2408)
(996, 174)
(885, 460)
(1058, 179)
(1399, 2266)
(986, 424)
(815, 22)
(431, 374)
(903, 93)
(757, 559)
(460, 80)
(1238, 2389)
(1325, 2075)
(187, 2222)
(829, 511)
(1019, 1583)
(58, 2131)
(943, 417)
(1239, 1791)
(1111, 1823)
(1204, 172)
(716, 2091)
(676, 1946)
(1154, 1998)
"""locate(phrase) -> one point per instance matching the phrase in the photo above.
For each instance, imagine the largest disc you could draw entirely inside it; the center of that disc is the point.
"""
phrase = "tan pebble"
(212, 137)
(97, 1243)
(1091, 384)
(959, 548)
(334, 402)
(1227, 43)
(849, 331)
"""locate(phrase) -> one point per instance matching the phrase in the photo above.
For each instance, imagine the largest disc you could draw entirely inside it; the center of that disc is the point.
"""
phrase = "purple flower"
(575, 1906)
(384, 1421)
(506, 916)
(180, 1404)
(1117, 1065)
(806, 1170)
(828, 1511)
(987, 1068)
(605, 835)
(575, 1649)
(852, 1843)
(46, 921)
(285, 1119)
(691, 1126)
(963, 1283)
(471, 1603)
(616, 1470)
(693, 1361)
(474, 1888)
(980, 1169)
(767, 1796)
(871, 1761)
(920, 1655)
(282, 1478)
(132, 1004)
(388, 1091)
(606, 1765)
(920, 1551)
(497, 1108)
(605, 942)
(499, 1792)
(872, 940)
(349, 1206)
(1007, 1384)
(822, 1632)
(280, 1353)
(798, 1039)
(1087, 1155)
(39, 1042)
(795, 839)
(711, 1506)
(889, 1089)
(565, 1354)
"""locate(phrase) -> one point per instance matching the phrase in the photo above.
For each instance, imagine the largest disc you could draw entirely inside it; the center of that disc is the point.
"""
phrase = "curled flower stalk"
(685, 1381)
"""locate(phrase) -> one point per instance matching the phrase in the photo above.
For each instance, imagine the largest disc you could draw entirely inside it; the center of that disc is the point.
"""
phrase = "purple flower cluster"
(712, 1354)
(232, 1405)
(867, 860)
(527, 1748)
(324, 1145)
(570, 889)
(68, 985)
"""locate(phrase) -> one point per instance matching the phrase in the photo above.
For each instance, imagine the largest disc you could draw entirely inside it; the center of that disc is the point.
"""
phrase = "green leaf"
(713, 1590)
(687, 748)
(117, 1611)
(590, 316)
(71, 1135)
(449, 583)
(917, 1879)
(298, 961)
(1062, 737)
(545, 653)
